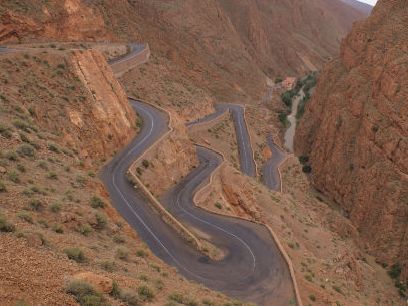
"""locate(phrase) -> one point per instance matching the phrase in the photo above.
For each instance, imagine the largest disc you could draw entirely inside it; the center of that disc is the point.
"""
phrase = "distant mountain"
(362, 7)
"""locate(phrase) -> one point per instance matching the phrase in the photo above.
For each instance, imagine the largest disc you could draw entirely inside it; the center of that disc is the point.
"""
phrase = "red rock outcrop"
(355, 131)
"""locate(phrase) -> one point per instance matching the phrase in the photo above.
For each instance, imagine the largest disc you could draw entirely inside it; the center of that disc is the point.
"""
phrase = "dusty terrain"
(355, 132)
(53, 207)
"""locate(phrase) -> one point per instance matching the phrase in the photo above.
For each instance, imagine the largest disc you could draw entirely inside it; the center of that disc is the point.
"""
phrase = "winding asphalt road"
(134, 50)
(246, 157)
(253, 268)
(271, 175)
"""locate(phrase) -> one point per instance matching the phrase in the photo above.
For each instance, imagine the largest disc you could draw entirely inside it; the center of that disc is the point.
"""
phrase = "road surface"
(134, 50)
(253, 269)
(271, 176)
(246, 156)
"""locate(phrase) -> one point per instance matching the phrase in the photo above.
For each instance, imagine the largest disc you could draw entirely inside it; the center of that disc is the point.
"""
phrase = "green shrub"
(2, 187)
(306, 169)
(218, 205)
(303, 159)
(21, 168)
(145, 163)
(312, 297)
(85, 229)
(395, 271)
(176, 297)
(26, 150)
(97, 202)
(109, 266)
(26, 216)
(5, 131)
(141, 253)
(75, 254)
(122, 253)
(100, 221)
(22, 125)
(52, 176)
(118, 239)
(13, 176)
(5, 226)
(145, 293)
(54, 148)
(283, 118)
(55, 208)
(287, 97)
(58, 229)
(43, 165)
(129, 298)
(278, 80)
(36, 205)
(12, 156)
(85, 294)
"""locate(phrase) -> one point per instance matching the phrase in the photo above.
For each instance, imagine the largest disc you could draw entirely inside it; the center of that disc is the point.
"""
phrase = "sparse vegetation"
(97, 202)
(84, 293)
(75, 254)
(26, 150)
(122, 253)
(145, 293)
(5, 226)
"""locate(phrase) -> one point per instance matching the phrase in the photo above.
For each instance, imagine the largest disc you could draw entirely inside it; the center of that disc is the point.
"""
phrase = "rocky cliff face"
(56, 19)
(355, 131)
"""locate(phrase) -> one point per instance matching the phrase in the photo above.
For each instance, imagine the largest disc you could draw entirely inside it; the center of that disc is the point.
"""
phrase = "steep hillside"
(287, 36)
(59, 123)
(355, 131)
(226, 47)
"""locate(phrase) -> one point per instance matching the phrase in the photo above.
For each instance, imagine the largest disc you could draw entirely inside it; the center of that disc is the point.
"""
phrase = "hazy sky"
(372, 2)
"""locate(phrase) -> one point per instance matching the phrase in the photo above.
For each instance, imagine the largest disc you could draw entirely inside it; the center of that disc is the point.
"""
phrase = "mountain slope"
(226, 47)
(355, 131)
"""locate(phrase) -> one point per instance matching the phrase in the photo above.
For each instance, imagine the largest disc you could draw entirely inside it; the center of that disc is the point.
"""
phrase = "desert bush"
(26, 150)
(36, 205)
(141, 253)
(55, 208)
(26, 216)
(13, 176)
(176, 297)
(109, 266)
(43, 165)
(122, 253)
(22, 125)
(145, 293)
(100, 221)
(21, 168)
(75, 254)
(306, 169)
(145, 163)
(5, 226)
(84, 229)
(97, 202)
(84, 293)
(2, 187)
(118, 239)
(5, 131)
(52, 176)
(283, 118)
(130, 298)
(303, 159)
(58, 229)
(54, 148)
(395, 271)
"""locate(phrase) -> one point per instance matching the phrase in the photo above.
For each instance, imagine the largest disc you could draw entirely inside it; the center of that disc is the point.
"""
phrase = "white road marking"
(217, 227)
